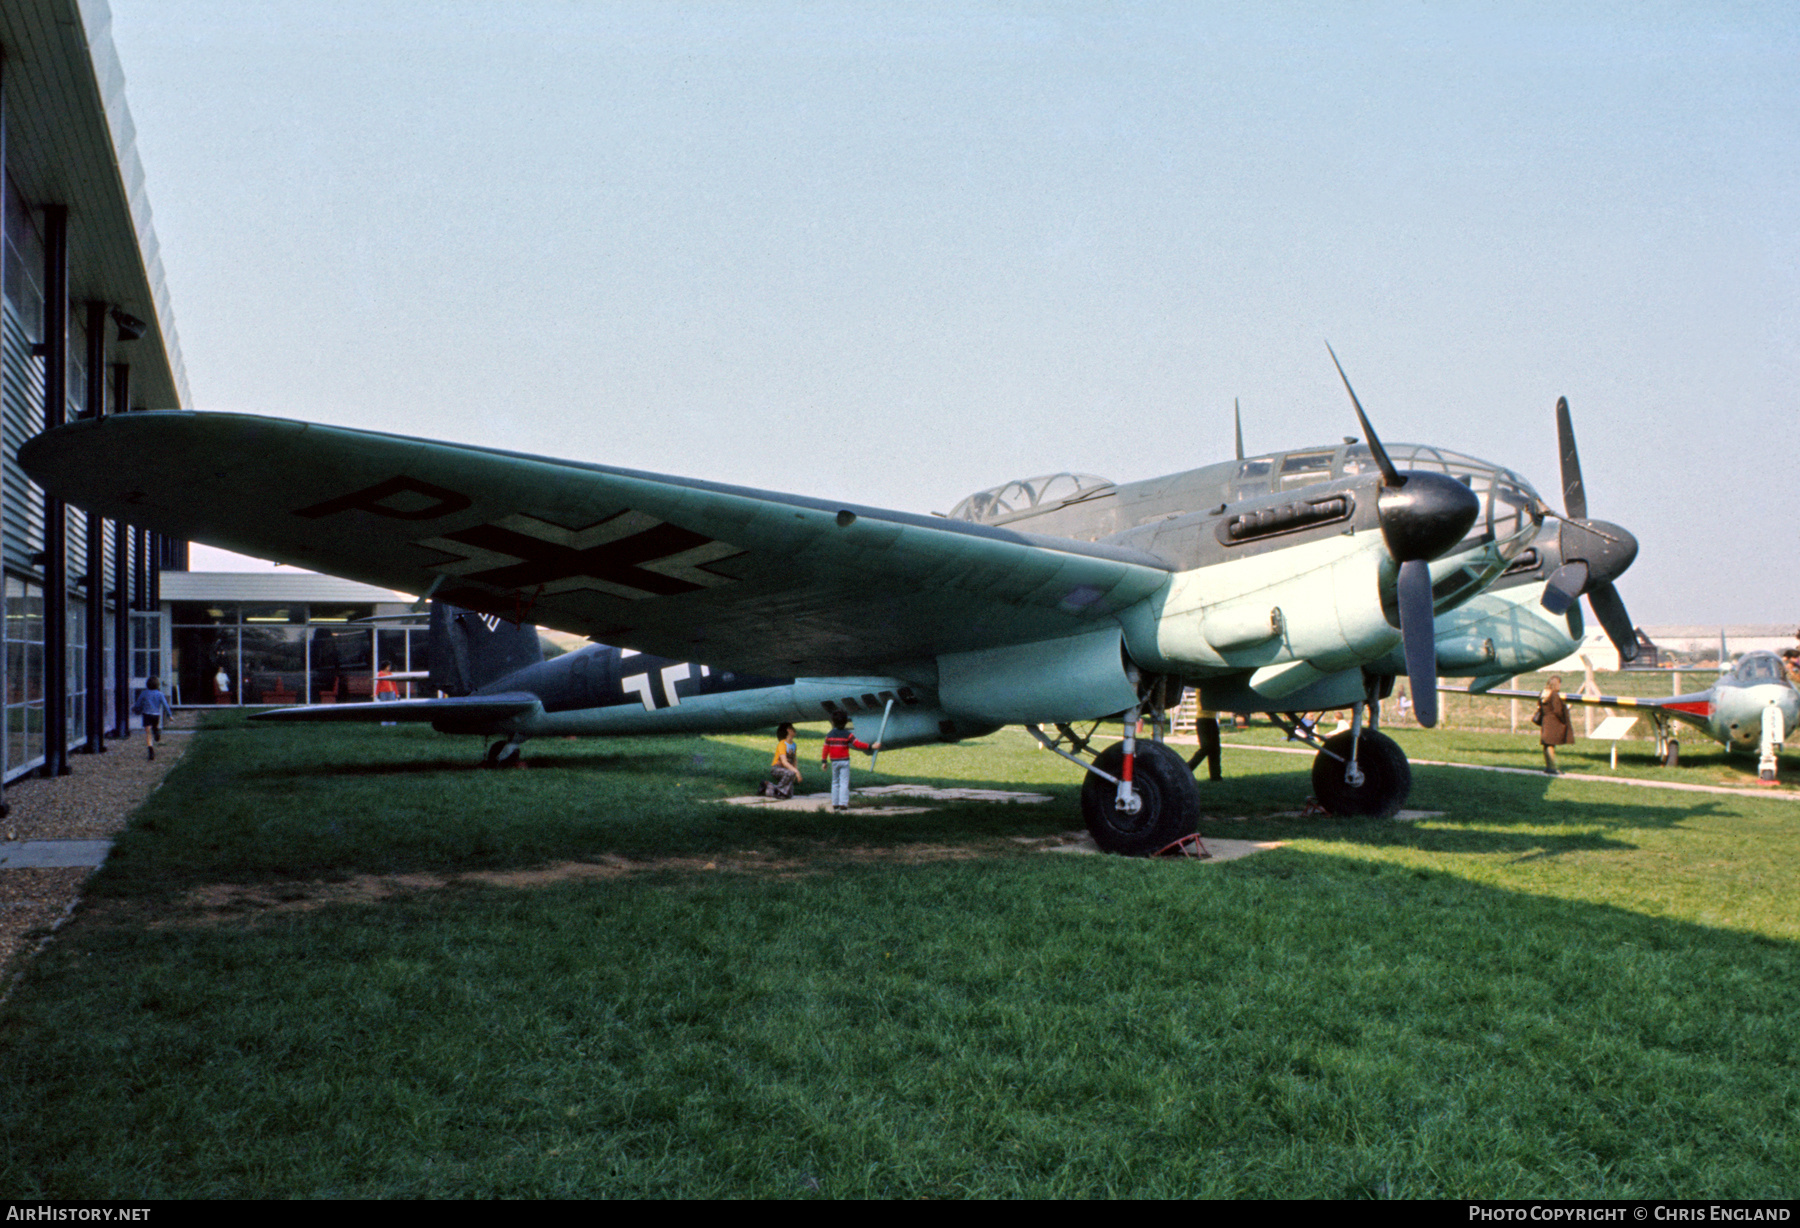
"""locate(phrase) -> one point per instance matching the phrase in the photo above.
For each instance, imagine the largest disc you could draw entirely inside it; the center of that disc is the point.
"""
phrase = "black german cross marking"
(617, 562)
(373, 499)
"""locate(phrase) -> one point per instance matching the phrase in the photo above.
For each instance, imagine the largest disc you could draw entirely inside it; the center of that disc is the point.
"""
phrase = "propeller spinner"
(1594, 552)
(1423, 514)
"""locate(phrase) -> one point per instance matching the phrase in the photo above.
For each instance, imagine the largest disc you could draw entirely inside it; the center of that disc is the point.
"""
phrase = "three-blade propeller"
(1594, 552)
(1422, 515)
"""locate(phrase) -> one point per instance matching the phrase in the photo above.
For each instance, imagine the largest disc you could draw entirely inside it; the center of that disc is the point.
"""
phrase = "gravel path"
(92, 803)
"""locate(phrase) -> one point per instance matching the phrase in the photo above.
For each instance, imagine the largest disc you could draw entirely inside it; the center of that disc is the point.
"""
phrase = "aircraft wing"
(768, 583)
(475, 710)
(1694, 709)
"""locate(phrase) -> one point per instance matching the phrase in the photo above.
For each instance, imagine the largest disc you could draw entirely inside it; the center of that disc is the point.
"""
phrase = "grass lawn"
(305, 971)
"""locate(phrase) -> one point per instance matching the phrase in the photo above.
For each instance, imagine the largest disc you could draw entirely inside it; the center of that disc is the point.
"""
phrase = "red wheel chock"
(1188, 846)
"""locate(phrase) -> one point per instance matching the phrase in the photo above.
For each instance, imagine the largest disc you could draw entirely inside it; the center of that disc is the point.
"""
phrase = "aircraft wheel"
(1672, 758)
(504, 754)
(1169, 795)
(1387, 777)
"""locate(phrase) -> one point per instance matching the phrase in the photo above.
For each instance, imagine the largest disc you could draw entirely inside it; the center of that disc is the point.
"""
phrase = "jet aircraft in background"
(1753, 706)
(1041, 603)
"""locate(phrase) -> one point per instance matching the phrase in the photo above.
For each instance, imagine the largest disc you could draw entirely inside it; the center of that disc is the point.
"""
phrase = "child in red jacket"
(836, 755)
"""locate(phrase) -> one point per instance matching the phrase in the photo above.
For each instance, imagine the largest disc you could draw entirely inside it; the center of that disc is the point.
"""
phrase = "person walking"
(1552, 720)
(152, 705)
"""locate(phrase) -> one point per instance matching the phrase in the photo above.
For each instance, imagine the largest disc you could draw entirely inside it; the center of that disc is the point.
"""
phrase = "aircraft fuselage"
(601, 690)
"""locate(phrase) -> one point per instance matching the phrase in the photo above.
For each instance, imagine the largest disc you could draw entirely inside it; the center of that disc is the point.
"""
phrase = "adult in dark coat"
(1554, 729)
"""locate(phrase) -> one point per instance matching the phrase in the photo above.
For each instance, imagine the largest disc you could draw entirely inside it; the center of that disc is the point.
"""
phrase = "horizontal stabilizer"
(469, 710)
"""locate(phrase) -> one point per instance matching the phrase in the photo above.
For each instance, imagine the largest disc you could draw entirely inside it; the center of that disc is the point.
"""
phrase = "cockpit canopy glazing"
(1028, 495)
(1504, 527)
(1758, 667)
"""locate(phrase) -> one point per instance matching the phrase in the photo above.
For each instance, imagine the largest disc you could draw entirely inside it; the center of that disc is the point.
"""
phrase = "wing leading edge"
(471, 710)
(691, 570)
(1695, 709)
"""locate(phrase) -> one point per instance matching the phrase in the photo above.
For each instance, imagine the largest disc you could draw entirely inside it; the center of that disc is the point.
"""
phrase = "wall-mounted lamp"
(130, 327)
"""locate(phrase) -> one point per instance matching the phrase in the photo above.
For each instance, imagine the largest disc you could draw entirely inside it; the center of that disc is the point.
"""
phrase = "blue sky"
(896, 253)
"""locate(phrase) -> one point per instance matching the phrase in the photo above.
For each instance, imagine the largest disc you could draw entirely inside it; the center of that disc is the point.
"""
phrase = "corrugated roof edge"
(270, 586)
(109, 82)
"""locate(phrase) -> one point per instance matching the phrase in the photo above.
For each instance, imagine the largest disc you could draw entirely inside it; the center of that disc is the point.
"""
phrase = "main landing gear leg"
(1668, 750)
(1164, 798)
(1361, 772)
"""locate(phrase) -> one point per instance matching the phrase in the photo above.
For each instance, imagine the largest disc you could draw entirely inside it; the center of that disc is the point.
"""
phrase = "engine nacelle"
(1084, 677)
(1291, 617)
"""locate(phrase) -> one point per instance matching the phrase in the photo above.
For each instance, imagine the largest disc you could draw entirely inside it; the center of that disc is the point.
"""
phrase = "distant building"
(1694, 643)
(1676, 647)
(232, 637)
(85, 331)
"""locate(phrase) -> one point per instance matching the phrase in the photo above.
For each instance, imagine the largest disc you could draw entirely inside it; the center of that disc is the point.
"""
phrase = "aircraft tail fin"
(470, 650)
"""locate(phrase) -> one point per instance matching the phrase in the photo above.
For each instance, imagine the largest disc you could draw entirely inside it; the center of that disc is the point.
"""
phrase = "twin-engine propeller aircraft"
(1049, 602)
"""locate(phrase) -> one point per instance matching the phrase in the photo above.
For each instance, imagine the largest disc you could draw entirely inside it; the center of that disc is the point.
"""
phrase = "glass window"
(418, 658)
(1357, 459)
(272, 614)
(343, 668)
(1759, 667)
(77, 387)
(76, 659)
(203, 613)
(146, 646)
(24, 264)
(274, 665)
(206, 665)
(24, 674)
(390, 650)
(1027, 493)
(341, 613)
(1303, 468)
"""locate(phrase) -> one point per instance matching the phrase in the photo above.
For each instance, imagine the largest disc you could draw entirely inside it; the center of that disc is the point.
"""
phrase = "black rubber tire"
(498, 758)
(1387, 777)
(1170, 795)
(1673, 757)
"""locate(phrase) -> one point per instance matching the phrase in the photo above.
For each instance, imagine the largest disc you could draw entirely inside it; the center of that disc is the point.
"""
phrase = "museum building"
(286, 637)
(86, 331)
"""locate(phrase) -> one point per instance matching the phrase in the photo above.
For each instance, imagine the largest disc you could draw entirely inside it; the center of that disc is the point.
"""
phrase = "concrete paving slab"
(50, 854)
(952, 795)
(817, 801)
(860, 799)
